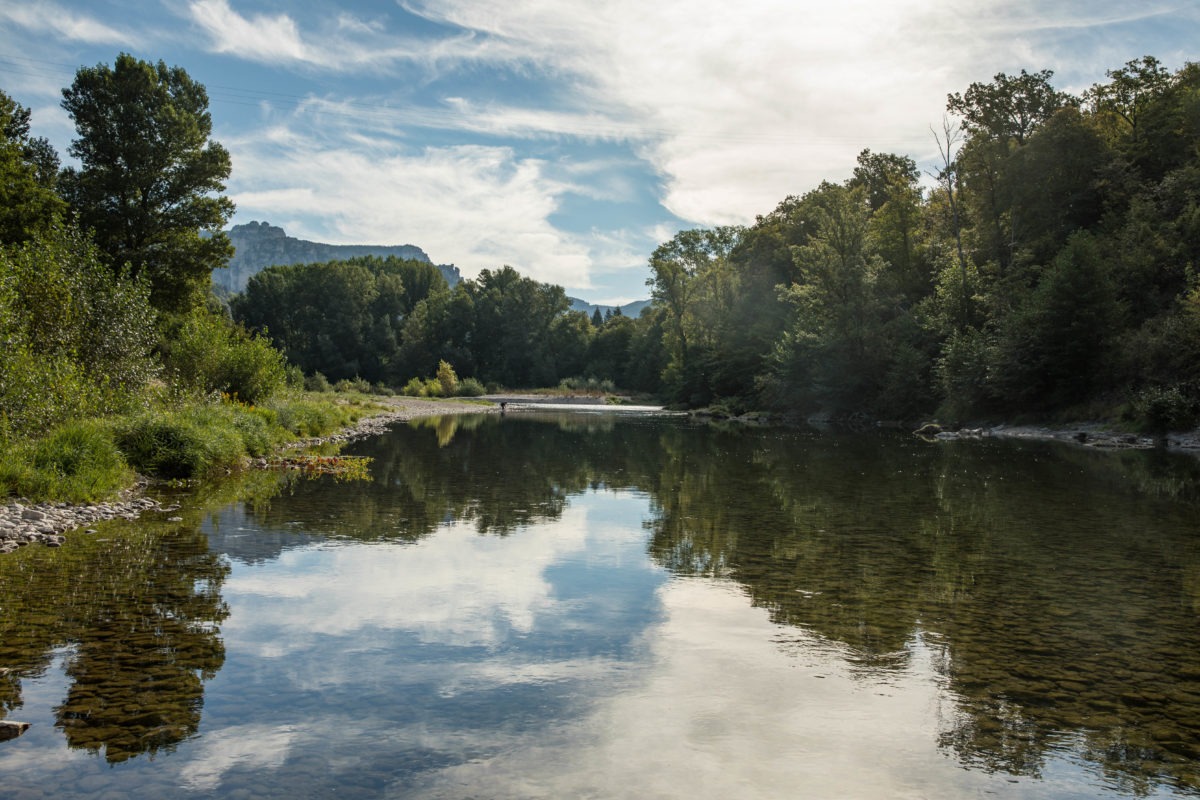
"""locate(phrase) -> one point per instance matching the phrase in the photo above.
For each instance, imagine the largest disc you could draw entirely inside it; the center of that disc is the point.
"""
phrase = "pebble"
(23, 523)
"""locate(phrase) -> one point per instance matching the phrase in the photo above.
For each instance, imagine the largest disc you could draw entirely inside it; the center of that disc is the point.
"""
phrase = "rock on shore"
(22, 523)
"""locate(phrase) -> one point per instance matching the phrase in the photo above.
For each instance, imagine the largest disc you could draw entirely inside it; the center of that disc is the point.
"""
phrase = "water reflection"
(483, 608)
(138, 610)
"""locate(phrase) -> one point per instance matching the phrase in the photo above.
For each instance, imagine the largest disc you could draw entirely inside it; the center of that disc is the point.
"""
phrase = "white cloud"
(62, 23)
(455, 587)
(470, 205)
(340, 43)
(257, 747)
(793, 722)
(743, 104)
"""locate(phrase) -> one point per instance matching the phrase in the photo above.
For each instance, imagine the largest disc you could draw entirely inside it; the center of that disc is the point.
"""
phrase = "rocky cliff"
(259, 244)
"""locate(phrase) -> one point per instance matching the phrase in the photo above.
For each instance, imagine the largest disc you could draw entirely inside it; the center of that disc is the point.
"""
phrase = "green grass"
(77, 462)
(93, 459)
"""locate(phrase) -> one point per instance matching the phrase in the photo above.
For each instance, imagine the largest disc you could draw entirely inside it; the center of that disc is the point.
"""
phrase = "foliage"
(77, 461)
(28, 174)
(447, 379)
(317, 382)
(341, 318)
(469, 387)
(77, 338)
(208, 353)
(149, 179)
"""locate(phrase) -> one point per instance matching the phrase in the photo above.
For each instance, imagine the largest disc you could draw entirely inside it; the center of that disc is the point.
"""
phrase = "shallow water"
(557, 604)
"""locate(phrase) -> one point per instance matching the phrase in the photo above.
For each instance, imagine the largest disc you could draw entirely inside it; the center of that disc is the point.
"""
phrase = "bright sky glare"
(566, 138)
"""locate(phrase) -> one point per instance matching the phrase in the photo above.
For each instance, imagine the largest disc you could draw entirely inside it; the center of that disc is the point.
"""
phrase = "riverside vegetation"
(1050, 271)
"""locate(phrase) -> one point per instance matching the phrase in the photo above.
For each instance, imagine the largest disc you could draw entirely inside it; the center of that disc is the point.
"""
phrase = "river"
(553, 604)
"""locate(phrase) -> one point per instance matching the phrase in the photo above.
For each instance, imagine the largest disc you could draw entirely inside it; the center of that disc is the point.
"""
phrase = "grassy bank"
(87, 460)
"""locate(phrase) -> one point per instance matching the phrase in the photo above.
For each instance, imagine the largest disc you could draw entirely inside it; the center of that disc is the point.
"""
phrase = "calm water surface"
(554, 605)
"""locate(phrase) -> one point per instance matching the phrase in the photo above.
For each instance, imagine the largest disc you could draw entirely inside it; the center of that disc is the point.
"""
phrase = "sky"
(565, 138)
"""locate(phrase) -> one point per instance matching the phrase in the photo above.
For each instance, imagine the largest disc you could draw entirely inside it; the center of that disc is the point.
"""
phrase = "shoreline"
(23, 523)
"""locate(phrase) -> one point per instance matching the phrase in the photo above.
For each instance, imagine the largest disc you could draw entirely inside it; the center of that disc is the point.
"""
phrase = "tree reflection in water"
(136, 609)
(1057, 587)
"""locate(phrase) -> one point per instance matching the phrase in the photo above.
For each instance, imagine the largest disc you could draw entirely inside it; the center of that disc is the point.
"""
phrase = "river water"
(557, 604)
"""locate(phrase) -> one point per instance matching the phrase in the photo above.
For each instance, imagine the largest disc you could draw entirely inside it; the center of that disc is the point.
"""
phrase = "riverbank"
(23, 523)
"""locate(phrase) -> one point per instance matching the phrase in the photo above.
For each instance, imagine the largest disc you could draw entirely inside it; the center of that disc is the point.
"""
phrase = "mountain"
(633, 309)
(259, 244)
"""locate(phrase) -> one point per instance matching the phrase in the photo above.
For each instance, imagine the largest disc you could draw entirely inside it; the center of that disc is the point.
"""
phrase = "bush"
(1166, 408)
(178, 444)
(307, 418)
(469, 387)
(317, 383)
(447, 378)
(355, 384)
(413, 388)
(75, 338)
(432, 388)
(579, 384)
(209, 353)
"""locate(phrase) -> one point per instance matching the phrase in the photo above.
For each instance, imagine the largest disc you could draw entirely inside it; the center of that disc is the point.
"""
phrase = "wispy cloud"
(341, 42)
(473, 205)
(743, 104)
(63, 23)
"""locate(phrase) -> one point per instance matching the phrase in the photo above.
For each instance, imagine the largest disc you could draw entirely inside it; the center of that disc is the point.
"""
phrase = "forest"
(1046, 268)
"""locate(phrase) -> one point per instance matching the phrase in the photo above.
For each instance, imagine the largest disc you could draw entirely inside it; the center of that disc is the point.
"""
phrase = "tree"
(1131, 91)
(1010, 106)
(881, 173)
(597, 318)
(28, 169)
(690, 280)
(149, 180)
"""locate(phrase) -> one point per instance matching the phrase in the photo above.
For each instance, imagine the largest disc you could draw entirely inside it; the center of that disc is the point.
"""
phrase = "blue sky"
(566, 138)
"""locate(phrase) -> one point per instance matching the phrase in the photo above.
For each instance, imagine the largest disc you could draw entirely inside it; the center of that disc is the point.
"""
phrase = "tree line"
(1045, 266)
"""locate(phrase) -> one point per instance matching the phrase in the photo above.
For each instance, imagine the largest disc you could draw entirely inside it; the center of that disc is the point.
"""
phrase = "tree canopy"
(150, 179)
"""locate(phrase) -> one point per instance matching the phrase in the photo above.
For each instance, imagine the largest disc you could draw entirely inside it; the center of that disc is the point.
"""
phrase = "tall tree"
(1011, 106)
(150, 180)
(28, 170)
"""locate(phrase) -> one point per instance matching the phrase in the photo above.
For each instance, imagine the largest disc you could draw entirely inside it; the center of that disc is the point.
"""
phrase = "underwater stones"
(23, 523)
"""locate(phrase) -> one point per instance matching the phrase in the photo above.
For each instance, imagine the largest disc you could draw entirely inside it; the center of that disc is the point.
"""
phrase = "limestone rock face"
(260, 244)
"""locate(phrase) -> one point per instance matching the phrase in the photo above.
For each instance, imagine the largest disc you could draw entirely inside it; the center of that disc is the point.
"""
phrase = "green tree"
(28, 172)
(691, 281)
(1011, 106)
(149, 182)
(1131, 92)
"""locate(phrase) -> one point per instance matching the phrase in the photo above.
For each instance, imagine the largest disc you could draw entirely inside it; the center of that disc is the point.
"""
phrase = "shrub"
(355, 384)
(413, 388)
(432, 388)
(469, 387)
(447, 378)
(1166, 408)
(209, 353)
(317, 383)
(307, 418)
(178, 444)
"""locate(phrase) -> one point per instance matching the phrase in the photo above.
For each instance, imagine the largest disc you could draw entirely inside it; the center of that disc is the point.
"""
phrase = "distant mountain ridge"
(259, 245)
(633, 309)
